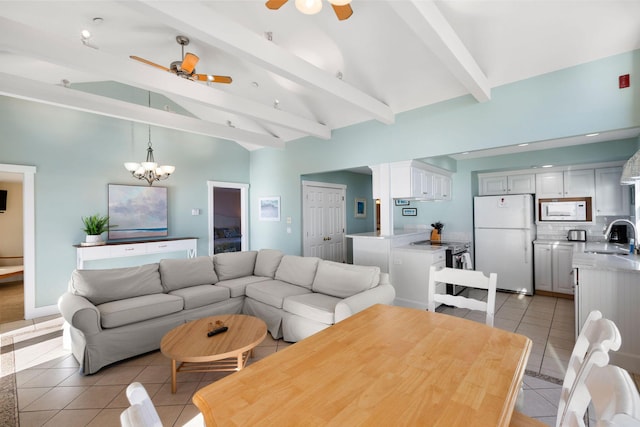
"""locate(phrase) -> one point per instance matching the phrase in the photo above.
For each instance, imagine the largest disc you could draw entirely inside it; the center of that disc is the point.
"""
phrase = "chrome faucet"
(635, 231)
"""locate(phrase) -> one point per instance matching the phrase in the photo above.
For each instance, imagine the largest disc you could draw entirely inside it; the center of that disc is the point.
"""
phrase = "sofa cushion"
(343, 280)
(198, 296)
(137, 309)
(297, 270)
(234, 264)
(273, 292)
(314, 306)
(267, 262)
(237, 286)
(180, 273)
(101, 286)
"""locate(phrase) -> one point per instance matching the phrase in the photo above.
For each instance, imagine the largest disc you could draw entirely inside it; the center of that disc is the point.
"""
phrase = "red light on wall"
(624, 81)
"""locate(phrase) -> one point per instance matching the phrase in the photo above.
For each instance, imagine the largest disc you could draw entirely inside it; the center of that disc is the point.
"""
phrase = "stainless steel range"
(455, 257)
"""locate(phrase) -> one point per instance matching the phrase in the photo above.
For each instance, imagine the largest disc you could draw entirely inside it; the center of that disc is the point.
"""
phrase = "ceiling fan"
(340, 7)
(186, 68)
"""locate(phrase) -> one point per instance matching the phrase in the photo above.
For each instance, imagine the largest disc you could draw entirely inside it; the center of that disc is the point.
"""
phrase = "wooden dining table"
(383, 366)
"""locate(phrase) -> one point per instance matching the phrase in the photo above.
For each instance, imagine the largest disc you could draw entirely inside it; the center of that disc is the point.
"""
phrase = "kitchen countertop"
(422, 248)
(619, 262)
(396, 233)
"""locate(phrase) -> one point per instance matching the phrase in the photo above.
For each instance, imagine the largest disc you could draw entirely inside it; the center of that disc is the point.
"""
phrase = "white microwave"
(568, 209)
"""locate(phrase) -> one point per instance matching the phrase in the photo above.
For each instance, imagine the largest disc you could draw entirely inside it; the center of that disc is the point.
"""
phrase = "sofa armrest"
(381, 294)
(80, 313)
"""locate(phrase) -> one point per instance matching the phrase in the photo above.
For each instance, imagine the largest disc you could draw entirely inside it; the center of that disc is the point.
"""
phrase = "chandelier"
(149, 169)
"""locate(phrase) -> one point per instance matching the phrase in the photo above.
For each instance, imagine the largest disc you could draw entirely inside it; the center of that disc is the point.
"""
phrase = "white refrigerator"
(504, 231)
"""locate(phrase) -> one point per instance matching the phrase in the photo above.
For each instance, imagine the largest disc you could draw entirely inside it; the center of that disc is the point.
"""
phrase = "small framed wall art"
(269, 208)
(360, 208)
(409, 211)
(401, 202)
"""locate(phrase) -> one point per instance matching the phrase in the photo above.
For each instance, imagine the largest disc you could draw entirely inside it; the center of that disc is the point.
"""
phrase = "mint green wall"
(574, 101)
(78, 154)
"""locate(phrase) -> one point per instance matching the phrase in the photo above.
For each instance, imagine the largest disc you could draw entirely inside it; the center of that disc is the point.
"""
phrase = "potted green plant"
(94, 226)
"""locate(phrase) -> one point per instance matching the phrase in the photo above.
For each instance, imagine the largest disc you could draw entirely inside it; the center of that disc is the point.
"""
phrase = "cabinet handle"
(129, 249)
(162, 246)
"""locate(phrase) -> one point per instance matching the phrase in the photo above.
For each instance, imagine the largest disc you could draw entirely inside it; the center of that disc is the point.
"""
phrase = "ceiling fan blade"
(212, 78)
(145, 61)
(275, 4)
(342, 12)
(189, 62)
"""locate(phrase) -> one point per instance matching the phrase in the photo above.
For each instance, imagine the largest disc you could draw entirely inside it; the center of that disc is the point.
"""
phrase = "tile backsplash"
(595, 229)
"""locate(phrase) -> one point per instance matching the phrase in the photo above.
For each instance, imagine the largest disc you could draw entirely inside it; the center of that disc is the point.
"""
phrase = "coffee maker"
(618, 234)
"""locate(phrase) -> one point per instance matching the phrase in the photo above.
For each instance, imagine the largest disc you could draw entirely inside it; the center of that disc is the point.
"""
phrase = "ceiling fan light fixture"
(339, 2)
(309, 7)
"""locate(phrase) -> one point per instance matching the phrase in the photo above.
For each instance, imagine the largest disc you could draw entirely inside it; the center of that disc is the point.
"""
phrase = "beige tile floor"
(51, 392)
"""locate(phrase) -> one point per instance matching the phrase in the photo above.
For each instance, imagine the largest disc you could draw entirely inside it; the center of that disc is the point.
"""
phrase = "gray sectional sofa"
(114, 314)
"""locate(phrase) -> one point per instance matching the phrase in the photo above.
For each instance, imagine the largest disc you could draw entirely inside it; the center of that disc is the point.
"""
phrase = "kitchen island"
(607, 278)
(373, 248)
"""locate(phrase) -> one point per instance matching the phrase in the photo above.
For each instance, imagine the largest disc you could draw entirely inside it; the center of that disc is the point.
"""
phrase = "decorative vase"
(93, 239)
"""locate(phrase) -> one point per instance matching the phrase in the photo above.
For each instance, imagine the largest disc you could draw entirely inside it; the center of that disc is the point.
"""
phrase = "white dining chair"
(613, 395)
(596, 332)
(469, 278)
(597, 337)
(141, 413)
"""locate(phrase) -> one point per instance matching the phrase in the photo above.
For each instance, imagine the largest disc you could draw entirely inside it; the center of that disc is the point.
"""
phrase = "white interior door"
(323, 207)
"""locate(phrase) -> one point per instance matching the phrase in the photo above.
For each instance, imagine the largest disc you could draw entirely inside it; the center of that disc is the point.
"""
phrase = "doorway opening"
(24, 175)
(228, 217)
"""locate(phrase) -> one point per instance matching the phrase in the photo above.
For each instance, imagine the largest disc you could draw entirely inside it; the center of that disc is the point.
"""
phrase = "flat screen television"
(137, 212)
(3, 200)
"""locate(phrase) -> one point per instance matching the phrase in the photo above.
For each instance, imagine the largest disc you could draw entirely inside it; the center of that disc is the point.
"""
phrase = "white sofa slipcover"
(114, 314)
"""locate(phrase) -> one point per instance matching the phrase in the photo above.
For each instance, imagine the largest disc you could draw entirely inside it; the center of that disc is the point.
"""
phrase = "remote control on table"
(217, 331)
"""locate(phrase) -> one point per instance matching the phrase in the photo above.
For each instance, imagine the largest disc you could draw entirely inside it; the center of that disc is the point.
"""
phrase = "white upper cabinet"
(417, 181)
(578, 183)
(573, 183)
(611, 197)
(521, 184)
(493, 185)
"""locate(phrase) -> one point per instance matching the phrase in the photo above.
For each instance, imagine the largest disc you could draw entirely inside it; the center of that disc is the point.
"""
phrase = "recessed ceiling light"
(255, 84)
(86, 34)
(98, 20)
(547, 166)
(592, 134)
(523, 145)
(465, 153)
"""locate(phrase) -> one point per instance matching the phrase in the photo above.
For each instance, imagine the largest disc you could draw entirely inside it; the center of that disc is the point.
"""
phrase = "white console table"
(135, 248)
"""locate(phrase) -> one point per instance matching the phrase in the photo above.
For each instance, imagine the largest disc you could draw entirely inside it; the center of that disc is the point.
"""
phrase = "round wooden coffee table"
(197, 352)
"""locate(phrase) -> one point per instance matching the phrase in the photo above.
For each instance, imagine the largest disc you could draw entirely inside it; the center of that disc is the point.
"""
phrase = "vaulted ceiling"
(296, 75)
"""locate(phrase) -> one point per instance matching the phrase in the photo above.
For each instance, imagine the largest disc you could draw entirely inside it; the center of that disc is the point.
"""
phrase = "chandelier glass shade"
(309, 7)
(631, 170)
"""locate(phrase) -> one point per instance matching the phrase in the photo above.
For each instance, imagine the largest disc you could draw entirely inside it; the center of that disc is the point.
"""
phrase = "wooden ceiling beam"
(427, 22)
(59, 96)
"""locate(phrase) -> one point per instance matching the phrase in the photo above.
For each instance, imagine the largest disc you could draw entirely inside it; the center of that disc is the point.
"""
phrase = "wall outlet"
(195, 211)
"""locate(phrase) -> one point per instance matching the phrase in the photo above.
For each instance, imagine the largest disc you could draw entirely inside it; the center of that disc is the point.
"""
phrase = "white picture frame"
(269, 208)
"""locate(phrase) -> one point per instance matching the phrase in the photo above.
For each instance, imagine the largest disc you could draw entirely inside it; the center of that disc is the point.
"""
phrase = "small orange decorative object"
(435, 236)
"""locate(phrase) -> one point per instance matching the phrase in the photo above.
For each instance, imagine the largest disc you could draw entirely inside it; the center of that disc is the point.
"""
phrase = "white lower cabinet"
(409, 274)
(553, 271)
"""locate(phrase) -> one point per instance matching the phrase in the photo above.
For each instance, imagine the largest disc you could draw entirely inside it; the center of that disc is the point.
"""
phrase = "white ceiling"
(393, 56)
